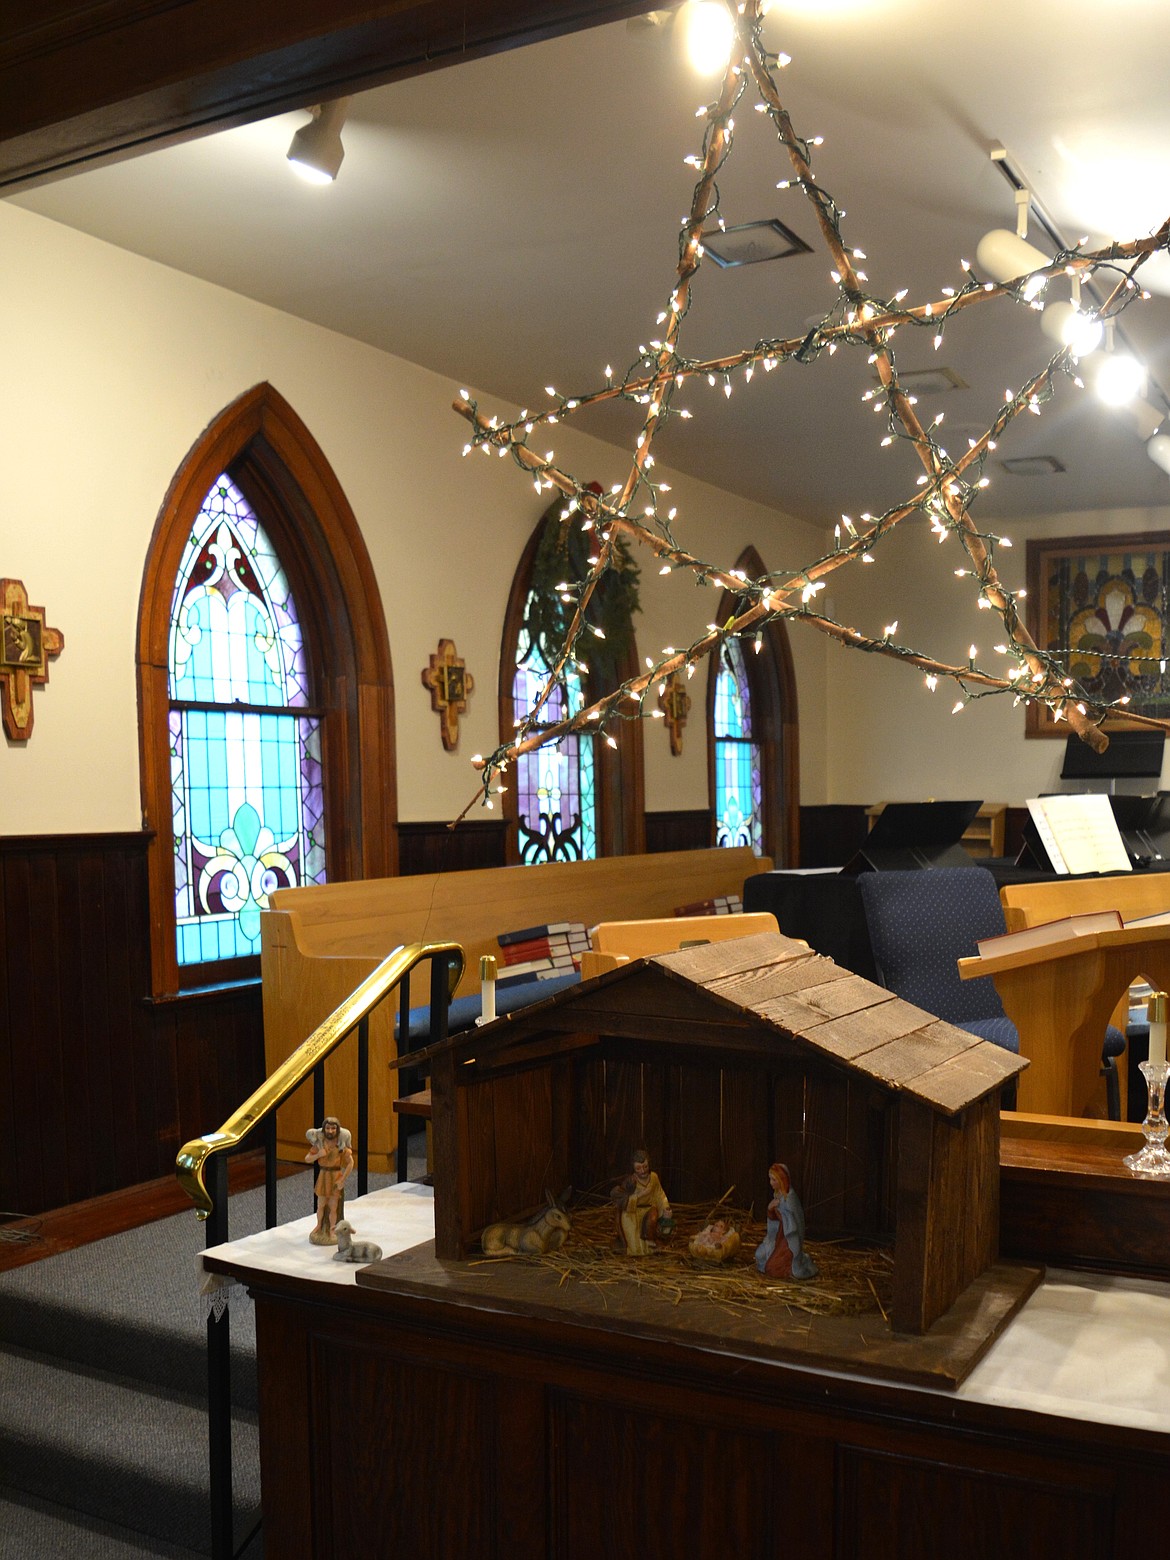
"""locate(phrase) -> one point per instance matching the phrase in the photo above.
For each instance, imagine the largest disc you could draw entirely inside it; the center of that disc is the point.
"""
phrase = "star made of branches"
(639, 509)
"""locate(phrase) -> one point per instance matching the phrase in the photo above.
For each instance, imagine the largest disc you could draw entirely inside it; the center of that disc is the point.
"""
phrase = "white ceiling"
(512, 222)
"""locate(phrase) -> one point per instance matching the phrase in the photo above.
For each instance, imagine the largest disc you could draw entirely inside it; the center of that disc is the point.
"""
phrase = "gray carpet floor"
(103, 1425)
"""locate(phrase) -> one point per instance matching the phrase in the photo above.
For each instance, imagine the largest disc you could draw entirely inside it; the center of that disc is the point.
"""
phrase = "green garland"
(562, 555)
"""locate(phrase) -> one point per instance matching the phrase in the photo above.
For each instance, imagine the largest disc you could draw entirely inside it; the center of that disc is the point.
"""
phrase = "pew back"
(318, 942)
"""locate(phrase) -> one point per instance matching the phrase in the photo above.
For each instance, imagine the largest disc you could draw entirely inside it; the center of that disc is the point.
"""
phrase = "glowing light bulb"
(708, 34)
(1119, 379)
(1065, 323)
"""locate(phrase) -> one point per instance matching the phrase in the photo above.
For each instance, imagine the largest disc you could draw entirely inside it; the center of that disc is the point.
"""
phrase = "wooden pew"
(318, 943)
(1134, 894)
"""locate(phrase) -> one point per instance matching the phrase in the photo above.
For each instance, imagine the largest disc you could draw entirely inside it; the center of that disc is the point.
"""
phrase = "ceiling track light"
(1119, 378)
(1007, 256)
(316, 150)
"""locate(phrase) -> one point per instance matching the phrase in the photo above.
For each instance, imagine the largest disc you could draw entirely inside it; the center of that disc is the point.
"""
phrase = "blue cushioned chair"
(922, 923)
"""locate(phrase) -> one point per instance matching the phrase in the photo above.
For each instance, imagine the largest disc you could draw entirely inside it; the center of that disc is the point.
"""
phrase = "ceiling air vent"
(931, 381)
(1032, 466)
(752, 242)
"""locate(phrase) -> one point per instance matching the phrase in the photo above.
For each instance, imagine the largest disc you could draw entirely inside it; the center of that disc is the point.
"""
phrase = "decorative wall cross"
(451, 685)
(26, 646)
(675, 703)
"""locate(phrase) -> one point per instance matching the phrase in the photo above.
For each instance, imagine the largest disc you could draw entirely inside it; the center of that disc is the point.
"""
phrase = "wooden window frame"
(269, 452)
(619, 773)
(775, 725)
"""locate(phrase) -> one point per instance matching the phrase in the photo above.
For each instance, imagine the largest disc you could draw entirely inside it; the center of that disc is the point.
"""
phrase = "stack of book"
(542, 952)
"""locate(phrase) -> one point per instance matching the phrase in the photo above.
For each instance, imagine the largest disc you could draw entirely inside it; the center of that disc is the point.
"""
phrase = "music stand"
(915, 835)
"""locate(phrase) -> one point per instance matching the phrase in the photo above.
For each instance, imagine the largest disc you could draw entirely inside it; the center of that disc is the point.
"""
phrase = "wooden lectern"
(1061, 998)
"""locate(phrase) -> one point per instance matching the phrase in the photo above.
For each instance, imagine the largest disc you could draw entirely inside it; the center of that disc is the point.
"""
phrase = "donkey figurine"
(545, 1231)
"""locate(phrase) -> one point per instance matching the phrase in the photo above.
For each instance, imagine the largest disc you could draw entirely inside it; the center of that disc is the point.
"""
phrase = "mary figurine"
(781, 1253)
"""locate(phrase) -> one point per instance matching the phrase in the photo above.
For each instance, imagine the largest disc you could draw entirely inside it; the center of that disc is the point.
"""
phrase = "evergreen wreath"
(562, 554)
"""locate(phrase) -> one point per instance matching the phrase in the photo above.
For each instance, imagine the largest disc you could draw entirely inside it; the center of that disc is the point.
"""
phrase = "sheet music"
(1080, 833)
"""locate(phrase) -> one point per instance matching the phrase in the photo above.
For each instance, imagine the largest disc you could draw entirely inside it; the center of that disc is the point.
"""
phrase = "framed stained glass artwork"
(1100, 603)
(555, 785)
(247, 796)
(738, 760)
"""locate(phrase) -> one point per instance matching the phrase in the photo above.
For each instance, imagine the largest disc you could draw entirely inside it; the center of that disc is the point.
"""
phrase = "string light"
(858, 320)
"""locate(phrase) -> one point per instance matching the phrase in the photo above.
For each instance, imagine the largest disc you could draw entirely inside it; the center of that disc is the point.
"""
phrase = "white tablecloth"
(1085, 1347)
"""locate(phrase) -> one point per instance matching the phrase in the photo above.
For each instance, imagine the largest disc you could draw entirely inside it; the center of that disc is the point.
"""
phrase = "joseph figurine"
(641, 1206)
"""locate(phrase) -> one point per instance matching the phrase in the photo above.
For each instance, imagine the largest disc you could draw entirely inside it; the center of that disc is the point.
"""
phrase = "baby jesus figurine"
(717, 1241)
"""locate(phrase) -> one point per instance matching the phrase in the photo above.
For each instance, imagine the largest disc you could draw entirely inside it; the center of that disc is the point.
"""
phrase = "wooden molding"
(283, 472)
(87, 83)
(775, 711)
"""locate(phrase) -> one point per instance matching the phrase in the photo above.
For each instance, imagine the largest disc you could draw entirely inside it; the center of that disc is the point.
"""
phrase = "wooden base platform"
(427, 1419)
(942, 1357)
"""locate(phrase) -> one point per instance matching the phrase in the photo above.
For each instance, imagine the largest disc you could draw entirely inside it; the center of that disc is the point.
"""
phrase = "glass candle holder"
(1153, 1160)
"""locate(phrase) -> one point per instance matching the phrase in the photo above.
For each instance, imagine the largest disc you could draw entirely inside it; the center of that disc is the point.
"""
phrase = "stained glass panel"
(234, 632)
(246, 783)
(555, 784)
(738, 766)
(1107, 611)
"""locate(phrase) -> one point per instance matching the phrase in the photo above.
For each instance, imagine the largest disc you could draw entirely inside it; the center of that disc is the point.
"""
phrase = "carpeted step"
(130, 1304)
(40, 1530)
(117, 1453)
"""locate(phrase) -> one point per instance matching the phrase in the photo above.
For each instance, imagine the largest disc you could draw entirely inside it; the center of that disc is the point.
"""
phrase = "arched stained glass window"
(556, 795)
(753, 734)
(247, 795)
(738, 766)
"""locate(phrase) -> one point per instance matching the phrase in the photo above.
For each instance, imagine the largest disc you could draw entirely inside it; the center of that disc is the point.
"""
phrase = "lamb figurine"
(350, 1250)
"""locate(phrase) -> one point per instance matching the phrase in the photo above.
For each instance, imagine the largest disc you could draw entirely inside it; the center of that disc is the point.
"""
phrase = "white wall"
(892, 740)
(113, 367)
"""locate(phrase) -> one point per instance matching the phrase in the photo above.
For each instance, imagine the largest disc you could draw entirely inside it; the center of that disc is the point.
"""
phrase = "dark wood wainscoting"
(683, 829)
(434, 846)
(99, 1086)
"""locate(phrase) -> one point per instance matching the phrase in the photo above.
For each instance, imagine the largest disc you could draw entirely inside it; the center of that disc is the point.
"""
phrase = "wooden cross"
(675, 703)
(26, 646)
(451, 684)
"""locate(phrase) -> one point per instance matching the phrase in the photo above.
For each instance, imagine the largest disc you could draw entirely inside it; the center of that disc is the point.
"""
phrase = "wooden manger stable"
(722, 1059)
(317, 943)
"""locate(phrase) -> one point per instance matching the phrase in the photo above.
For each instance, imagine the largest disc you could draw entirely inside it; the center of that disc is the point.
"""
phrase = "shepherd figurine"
(330, 1149)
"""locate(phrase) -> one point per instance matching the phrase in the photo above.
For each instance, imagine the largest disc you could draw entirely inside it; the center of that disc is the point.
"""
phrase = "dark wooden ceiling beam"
(86, 83)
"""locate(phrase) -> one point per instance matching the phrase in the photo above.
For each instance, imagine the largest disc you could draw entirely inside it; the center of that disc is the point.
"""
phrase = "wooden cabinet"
(401, 1423)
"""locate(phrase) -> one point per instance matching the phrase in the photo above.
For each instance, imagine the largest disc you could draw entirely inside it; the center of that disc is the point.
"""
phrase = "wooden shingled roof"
(780, 984)
(807, 998)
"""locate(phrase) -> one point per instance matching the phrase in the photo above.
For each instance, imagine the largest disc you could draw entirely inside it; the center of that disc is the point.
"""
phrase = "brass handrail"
(292, 1072)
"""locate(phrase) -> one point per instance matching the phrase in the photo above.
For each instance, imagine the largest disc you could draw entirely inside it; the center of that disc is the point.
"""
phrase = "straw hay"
(852, 1280)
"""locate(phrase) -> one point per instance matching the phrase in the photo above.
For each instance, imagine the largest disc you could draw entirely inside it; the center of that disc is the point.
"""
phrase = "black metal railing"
(202, 1164)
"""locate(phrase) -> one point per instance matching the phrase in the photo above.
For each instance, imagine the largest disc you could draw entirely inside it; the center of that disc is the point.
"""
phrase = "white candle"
(487, 977)
(1156, 1011)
